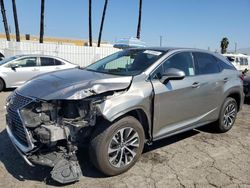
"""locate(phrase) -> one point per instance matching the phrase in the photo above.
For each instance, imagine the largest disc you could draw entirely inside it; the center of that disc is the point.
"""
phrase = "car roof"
(40, 55)
(167, 49)
(37, 55)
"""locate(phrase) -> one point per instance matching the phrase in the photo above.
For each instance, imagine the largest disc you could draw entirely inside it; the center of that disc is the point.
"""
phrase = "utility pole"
(5, 21)
(42, 22)
(16, 20)
(235, 47)
(102, 22)
(90, 22)
(138, 35)
(160, 41)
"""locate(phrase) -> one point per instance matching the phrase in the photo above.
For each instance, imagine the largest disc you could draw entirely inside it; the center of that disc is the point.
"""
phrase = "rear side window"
(46, 61)
(225, 64)
(58, 62)
(206, 63)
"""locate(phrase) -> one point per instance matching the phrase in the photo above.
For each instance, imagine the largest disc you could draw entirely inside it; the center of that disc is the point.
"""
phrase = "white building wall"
(81, 55)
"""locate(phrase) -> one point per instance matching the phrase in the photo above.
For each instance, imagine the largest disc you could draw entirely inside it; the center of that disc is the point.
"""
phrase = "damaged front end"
(49, 132)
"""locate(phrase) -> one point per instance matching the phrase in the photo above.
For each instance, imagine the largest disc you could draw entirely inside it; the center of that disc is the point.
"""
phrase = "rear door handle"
(196, 85)
(225, 79)
(35, 69)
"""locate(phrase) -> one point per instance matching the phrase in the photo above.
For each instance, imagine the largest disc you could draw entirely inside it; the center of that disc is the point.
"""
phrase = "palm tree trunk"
(42, 21)
(16, 21)
(5, 22)
(102, 22)
(90, 22)
(139, 21)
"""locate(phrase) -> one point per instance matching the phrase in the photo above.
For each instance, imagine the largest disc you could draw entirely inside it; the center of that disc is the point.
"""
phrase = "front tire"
(228, 115)
(115, 148)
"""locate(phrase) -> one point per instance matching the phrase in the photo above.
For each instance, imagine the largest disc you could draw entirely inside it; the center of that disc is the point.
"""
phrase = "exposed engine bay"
(56, 128)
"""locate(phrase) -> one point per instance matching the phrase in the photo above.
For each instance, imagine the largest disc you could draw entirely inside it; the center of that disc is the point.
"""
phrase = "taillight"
(242, 77)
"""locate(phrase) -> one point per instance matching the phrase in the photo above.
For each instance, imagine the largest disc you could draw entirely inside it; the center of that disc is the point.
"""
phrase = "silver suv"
(118, 104)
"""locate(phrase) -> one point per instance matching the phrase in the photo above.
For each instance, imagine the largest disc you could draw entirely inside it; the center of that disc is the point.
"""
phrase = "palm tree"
(90, 22)
(139, 21)
(16, 21)
(42, 21)
(5, 22)
(102, 22)
(224, 44)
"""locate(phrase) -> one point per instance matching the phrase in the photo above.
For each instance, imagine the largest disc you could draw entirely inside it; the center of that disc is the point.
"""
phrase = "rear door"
(179, 103)
(48, 64)
(212, 81)
(26, 68)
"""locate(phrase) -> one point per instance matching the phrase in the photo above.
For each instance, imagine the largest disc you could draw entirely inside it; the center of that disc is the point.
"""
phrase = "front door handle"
(196, 85)
(35, 69)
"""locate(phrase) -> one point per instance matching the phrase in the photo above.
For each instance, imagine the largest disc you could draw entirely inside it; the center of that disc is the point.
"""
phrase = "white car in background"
(16, 70)
(240, 61)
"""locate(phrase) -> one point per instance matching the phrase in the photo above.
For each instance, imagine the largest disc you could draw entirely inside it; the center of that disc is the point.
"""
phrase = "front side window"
(127, 62)
(182, 61)
(25, 62)
(206, 63)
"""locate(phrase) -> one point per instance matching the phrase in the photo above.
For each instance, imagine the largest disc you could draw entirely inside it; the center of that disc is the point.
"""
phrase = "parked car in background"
(246, 82)
(16, 70)
(118, 104)
(240, 61)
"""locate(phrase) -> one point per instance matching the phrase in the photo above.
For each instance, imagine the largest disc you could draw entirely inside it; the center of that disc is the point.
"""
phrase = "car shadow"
(169, 140)
(16, 166)
(8, 89)
(247, 100)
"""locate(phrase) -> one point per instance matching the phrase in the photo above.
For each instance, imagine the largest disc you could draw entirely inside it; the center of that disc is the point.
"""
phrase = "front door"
(26, 68)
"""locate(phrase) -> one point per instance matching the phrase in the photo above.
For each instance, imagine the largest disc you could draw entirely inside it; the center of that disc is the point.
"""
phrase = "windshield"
(6, 60)
(127, 62)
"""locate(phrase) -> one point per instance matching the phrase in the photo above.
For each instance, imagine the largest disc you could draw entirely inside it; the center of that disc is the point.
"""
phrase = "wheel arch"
(238, 98)
(141, 116)
(4, 84)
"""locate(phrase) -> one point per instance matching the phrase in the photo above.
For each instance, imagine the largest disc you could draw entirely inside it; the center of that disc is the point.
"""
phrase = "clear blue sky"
(187, 23)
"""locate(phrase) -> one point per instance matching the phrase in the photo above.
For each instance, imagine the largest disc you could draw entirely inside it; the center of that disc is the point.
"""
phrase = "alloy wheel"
(229, 115)
(123, 147)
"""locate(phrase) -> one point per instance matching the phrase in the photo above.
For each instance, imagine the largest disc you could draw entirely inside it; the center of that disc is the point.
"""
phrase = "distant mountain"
(244, 50)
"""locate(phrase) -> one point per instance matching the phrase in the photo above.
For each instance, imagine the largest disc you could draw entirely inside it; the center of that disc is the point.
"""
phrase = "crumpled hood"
(73, 84)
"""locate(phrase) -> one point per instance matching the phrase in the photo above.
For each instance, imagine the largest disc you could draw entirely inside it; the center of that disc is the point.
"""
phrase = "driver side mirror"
(14, 66)
(172, 74)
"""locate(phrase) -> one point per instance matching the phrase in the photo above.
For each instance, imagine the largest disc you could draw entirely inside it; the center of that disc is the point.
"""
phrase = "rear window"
(206, 63)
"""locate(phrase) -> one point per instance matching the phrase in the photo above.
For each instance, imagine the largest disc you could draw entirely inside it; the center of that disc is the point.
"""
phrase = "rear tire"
(115, 148)
(228, 115)
(1, 85)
